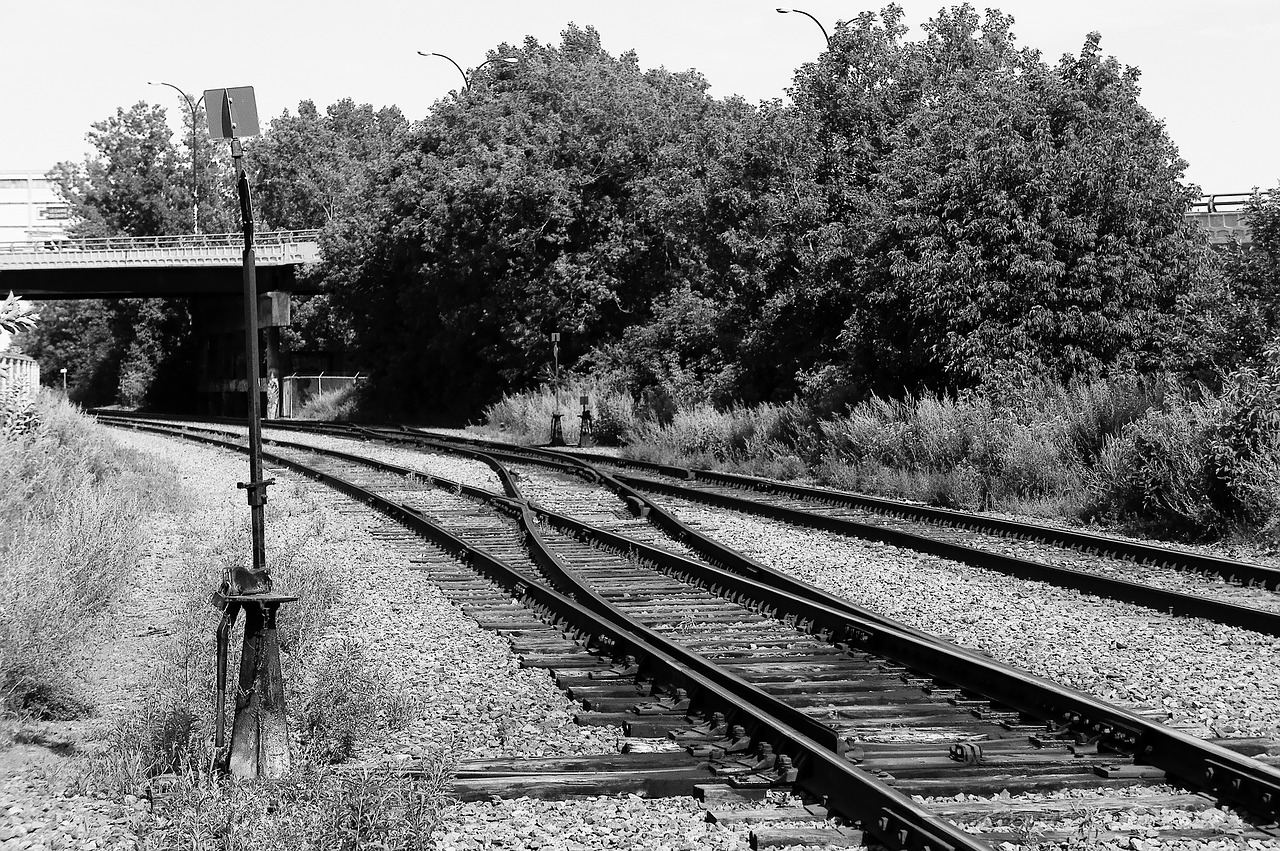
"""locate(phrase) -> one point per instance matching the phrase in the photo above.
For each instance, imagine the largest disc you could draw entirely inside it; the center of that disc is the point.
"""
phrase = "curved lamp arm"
(826, 37)
(466, 80)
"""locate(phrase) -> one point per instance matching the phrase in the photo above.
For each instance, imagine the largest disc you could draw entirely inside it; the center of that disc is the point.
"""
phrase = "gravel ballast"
(1214, 680)
(1119, 652)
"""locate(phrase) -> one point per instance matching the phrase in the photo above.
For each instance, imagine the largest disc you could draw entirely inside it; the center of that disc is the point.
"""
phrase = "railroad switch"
(627, 669)
(783, 773)
(970, 753)
(586, 431)
(676, 702)
(737, 741)
(557, 431)
(260, 733)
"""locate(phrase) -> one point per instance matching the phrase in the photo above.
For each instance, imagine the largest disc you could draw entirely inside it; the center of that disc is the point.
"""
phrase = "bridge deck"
(188, 265)
(275, 248)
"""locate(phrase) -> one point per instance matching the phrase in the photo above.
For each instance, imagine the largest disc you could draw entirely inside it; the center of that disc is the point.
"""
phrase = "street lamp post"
(812, 18)
(195, 181)
(466, 80)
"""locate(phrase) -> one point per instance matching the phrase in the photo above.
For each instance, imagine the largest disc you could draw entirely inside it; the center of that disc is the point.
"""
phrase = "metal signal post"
(259, 737)
(256, 486)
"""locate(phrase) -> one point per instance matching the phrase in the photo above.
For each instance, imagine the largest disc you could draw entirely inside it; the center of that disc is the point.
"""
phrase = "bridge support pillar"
(218, 322)
(271, 345)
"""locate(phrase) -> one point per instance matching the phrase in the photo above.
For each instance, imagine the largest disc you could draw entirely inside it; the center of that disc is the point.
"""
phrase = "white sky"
(1208, 68)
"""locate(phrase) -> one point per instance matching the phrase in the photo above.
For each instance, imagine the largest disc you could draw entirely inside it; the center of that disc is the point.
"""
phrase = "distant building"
(30, 208)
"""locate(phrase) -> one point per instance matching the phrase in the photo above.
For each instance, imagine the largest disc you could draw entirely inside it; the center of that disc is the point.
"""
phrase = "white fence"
(19, 371)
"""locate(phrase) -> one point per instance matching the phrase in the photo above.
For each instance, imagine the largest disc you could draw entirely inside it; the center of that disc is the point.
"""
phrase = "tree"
(135, 184)
(311, 169)
(530, 203)
(1030, 218)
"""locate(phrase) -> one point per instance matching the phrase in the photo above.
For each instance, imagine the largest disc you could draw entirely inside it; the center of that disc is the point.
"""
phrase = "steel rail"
(893, 817)
(1160, 599)
(630, 487)
(1233, 778)
(1173, 557)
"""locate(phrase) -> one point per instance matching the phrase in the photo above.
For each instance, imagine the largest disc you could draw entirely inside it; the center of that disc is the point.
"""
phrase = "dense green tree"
(311, 168)
(1020, 216)
(532, 202)
(316, 170)
(134, 184)
(77, 336)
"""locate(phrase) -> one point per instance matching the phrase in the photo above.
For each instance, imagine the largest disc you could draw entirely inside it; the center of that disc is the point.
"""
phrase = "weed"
(312, 809)
(71, 513)
(340, 404)
(343, 698)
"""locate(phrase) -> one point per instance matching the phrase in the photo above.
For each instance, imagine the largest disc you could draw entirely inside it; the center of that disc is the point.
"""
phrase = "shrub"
(1017, 443)
(340, 404)
(1154, 472)
(525, 417)
(1204, 465)
(341, 704)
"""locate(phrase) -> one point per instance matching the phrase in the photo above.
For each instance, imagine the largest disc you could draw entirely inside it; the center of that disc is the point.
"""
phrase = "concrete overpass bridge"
(205, 269)
(1223, 217)
(154, 266)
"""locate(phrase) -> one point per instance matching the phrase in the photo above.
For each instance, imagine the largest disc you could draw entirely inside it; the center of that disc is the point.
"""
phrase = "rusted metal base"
(260, 733)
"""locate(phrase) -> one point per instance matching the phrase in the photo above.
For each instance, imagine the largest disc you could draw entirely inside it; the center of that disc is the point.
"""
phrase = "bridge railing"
(1225, 202)
(298, 246)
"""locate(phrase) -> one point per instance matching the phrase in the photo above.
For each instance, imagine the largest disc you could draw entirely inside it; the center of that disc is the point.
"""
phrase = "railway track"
(1239, 594)
(867, 711)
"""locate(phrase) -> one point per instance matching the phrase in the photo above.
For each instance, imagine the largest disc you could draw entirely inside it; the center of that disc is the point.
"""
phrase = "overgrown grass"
(1166, 458)
(71, 510)
(336, 699)
(1019, 449)
(617, 416)
(338, 404)
(314, 808)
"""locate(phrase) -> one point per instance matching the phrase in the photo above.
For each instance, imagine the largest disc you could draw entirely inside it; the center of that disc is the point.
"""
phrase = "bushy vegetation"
(337, 404)
(525, 417)
(1179, 460)
(71, 506)
(1203, 464)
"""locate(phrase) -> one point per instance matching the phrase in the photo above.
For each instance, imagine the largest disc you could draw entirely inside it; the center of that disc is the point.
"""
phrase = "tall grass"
(1174, 460)
(71, 510)
(340, 404)
(337, 702)
(526, 417)
(314, 809)
(1021, 449)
